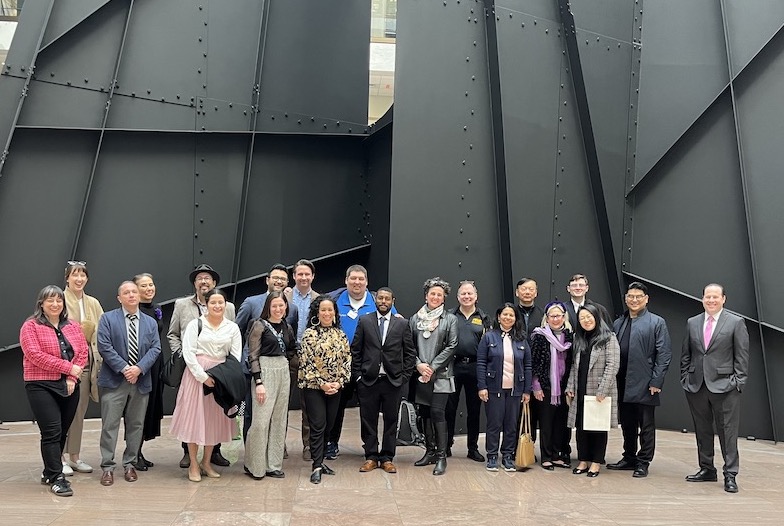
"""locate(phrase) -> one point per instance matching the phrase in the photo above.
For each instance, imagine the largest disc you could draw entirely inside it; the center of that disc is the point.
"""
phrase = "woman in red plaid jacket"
(55, 352)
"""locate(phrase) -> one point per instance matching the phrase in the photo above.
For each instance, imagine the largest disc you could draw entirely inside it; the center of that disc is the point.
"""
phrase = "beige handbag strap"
(525, 422)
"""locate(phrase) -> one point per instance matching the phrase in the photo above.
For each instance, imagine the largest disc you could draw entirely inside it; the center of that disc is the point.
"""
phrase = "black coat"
(540, 360)
(231, 385)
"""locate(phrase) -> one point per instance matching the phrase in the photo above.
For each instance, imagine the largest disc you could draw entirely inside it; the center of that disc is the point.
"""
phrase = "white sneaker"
(80, 466)
(67, 471)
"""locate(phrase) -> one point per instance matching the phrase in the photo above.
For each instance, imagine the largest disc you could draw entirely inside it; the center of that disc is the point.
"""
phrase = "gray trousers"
(723, 411)
(127, 403)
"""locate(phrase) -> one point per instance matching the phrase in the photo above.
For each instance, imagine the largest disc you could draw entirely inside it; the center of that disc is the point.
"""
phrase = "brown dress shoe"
(107, 478)
(389, 467)
(130, 475)
(369, 465)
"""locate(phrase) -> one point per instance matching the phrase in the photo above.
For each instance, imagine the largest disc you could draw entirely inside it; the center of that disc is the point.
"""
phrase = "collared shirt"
(302, 301)
(349, 314)
(576, 305)
(216, 343)
(469, 331)
(715, 320)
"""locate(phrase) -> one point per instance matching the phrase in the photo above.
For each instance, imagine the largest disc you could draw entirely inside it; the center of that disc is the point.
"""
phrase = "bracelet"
(259, 382)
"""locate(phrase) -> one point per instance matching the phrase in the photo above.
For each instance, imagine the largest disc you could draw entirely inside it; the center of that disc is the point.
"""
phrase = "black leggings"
(436, 411)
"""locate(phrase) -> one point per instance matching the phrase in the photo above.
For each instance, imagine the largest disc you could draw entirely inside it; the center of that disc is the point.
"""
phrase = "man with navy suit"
(383, 358)
(129, 344)
(714, 366)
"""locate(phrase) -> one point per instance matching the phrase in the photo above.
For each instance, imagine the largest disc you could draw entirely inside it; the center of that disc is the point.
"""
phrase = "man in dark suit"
(129, 344)
(714, 366)
(382, 361)
(578, 290)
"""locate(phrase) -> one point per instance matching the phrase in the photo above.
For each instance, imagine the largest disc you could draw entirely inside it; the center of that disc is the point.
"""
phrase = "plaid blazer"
(604, 364)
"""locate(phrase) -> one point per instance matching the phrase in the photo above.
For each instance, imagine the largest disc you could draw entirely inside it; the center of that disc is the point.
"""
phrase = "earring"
(314, 320)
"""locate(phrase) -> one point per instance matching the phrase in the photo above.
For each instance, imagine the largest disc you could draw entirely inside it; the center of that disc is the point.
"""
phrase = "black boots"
(430, 452)
(441, 440)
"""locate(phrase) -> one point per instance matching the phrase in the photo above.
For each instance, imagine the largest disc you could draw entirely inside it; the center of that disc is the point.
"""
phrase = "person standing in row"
(204, 279)
(472, 323)
(85, 311)
(434, 330)
(54, 355)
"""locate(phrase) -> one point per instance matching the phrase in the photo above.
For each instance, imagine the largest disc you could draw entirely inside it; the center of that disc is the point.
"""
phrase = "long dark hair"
(583, 340)
(265, 312)
(517, 332)
(314, 310)
(49, 291)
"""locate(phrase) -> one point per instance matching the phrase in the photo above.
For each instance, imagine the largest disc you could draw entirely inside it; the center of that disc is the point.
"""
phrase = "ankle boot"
(430, 446)
(441, 439)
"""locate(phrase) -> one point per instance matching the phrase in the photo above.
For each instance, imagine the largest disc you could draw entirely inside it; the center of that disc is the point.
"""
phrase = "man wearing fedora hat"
(204, 279)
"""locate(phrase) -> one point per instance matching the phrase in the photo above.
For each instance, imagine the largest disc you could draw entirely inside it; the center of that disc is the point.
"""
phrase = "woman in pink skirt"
(198, 420)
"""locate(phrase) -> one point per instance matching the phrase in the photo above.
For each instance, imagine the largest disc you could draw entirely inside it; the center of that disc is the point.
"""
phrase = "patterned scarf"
(427, 320)
(557, 368)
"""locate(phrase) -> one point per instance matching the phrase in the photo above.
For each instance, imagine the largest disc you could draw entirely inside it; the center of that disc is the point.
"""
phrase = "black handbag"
(174, 367)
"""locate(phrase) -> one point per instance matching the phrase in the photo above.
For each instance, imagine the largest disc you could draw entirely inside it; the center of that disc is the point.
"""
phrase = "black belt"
(465, 359)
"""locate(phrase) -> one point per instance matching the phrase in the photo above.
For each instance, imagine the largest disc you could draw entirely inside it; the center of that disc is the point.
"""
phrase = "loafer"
(67, 471)
(130, 475)
(388, 467)
(217, 459)
(251, 475)
(640, 472)
(327, 470)
(474, 455)
(730, 486)
(548, 466)
(276, 474)
(369, 465)
(142, 460)
(315, 477)
(107, 478)
(185, 462)
(703, 475)
(80, 466)
(623, 465)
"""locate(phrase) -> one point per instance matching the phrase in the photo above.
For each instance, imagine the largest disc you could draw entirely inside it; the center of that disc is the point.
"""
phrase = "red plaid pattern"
(41, 350)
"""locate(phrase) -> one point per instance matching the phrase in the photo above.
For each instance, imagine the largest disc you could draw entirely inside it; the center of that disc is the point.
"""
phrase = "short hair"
(49, 291)
(313, 320)
(637, 285)
(75, 266)
(265, 312)
(437, 282)
(356, 268)
(278, 266)
(579, 276)
(213, 292)
(126, 282)
(523, 281)
(138, 277)
(723, 292)
(385, 289)
(305, 263)
(468, 282)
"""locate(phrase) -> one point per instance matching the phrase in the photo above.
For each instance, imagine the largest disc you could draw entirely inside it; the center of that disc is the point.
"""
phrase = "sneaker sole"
(492, 469)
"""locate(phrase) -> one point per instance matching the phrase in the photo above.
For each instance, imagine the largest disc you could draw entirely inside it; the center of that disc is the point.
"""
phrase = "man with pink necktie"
(714, 365)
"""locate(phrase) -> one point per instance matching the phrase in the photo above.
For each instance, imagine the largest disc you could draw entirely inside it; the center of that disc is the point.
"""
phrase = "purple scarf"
(557, 367)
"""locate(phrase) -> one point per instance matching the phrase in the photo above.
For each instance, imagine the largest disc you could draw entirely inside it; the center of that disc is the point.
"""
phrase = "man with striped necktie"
(129, 344)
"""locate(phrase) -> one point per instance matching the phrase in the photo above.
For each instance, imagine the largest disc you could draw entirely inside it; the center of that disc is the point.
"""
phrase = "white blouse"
(215, 343)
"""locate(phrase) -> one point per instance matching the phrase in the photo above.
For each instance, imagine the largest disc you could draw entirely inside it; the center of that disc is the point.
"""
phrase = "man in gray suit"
(714, 365)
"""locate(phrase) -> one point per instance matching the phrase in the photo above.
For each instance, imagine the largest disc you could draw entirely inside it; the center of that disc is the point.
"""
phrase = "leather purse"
(524, 456)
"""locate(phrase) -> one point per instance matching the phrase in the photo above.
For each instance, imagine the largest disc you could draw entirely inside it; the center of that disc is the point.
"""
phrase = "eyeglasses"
(205, 278)
(635, 297)
(555, 316)
(278, 279)
(76, 263)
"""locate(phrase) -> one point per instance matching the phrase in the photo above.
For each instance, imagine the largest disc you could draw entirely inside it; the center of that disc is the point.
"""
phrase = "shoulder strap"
(198, 324)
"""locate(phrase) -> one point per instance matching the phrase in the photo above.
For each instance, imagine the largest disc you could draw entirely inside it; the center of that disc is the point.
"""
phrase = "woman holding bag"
(503, 371)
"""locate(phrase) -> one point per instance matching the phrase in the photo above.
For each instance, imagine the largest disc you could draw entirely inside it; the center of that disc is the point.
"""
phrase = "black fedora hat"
(204, 268)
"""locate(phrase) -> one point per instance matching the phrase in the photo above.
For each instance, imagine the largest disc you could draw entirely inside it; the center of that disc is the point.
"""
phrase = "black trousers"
(382, 397)
(346, 394)
(552, 428)
(465, 379)
(721, 410)
(637, 420)
(502, 411)
(54, 414)
(322, 409)
(591, 445)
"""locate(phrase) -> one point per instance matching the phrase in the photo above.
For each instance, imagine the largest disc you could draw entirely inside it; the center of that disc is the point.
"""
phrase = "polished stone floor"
(467, 494)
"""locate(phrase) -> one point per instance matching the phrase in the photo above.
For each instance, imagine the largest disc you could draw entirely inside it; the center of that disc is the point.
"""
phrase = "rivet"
(273, 117)
(465, 128)
(470, 146)
(205, 23)
(50, 74)
(201, 220)
(286, 115)
(534, 22)
(204, 54)
(464, 162)
(200, 39)
(466, 248)
(231, 104)
(148, 92)
(299, 121)
(69, 82)
(198, 70)
(468, 214)
(472, 112)
(216, 108)
(597, 39)
(510, 15)
(462, 197)
(522, 25)
(468, 59)
(86, 81)
(459, 263)
(245, 112)
(473, 77)
(164, 100)
(337, 123)
(466, 94)
(133, 94)
(312, 119)
(195, 235)
(461, 230)
(325, 126)
(546, 31)
(469, 181)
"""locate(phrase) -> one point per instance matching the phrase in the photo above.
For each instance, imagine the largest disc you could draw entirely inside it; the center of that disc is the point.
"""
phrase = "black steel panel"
(689, 223)
(55, 105)
(281, 121)
(443, 203)
(316, 59)
(40, 198)
(165, 61)
(140, 214)
(29, 32)
(220, 115)
(774, 381)
(378, 149)
(684, 68)
(749, 26)
(11, 89)
(536, 9)
(134, 113)
(760, 114)
(67, 15)
(613, 20)
(86, 57)
(531, 105)
(755, 411)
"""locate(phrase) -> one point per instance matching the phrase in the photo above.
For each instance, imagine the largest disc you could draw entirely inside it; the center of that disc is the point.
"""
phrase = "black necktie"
(381, 323)
(133, 340)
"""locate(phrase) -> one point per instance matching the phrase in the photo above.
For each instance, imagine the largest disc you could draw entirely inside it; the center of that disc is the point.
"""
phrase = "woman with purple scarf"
(551, 361)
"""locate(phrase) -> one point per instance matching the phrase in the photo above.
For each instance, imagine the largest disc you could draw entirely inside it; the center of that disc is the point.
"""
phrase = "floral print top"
(324, 356)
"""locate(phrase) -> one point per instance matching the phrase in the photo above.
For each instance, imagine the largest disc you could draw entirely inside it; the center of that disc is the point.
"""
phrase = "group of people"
(556, 360)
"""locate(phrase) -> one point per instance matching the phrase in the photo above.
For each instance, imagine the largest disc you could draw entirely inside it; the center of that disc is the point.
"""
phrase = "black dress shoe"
(327, 470)
(623, 464)
(277, 474)
(449, 451)
(315, 477)
(474, 455)
(549, 466)
(730, 486)
(142, 460)
(185, 462)
(217, 459)
(140, 466)
(251, 475)
(579, 471)
(640, 472)
(593, 474)
(703, 475)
